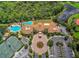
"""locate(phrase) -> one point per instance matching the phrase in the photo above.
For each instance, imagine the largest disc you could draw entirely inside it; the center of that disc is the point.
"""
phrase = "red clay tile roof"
(77, 21)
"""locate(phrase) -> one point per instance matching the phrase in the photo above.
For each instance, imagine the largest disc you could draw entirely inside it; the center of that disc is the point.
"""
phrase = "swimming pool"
(27, 23)
(14, 28)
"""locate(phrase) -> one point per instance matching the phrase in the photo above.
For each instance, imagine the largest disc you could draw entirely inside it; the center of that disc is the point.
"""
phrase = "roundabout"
(39, 43)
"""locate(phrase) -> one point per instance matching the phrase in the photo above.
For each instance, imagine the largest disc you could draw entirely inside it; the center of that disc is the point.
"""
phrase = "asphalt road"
(67, 13)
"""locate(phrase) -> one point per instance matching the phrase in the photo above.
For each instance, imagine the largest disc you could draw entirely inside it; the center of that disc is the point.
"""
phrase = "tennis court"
(14, 43)
(9, 47)
(5, 51)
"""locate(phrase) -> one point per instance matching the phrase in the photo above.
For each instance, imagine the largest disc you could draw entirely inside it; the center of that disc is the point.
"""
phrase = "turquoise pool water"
(27, 23)
(14, 28)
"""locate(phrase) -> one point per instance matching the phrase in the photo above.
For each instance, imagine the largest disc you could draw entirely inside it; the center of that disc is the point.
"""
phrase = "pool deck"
(39, 26)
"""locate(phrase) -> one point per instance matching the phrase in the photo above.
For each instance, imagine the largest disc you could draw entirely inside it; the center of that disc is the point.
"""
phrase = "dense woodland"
(20, 10)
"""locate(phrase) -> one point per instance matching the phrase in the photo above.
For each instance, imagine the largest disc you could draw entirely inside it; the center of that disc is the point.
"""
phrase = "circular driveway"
(39, 43)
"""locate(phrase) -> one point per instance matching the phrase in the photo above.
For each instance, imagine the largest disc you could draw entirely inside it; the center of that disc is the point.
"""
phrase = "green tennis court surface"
(8, 48)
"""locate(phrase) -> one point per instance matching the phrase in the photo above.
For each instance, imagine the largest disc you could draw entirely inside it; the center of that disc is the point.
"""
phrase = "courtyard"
(39, 43)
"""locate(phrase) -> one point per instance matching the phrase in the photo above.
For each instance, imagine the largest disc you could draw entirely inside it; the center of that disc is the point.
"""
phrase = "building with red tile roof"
(77, 21)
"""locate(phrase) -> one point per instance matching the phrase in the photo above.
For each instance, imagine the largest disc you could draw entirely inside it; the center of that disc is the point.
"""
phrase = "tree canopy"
(16, 11)
(50, 43)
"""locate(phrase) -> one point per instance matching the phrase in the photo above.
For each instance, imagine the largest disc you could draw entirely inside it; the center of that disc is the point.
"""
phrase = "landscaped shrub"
(30, 42)
(1, 41)
(50, 34)
(76, 28)
(40, 56)
(30, 37)
(59, 44)
(45, 31)
(50, 43)
(30, 50)
(35, 31)
(76, 35)
(74, 45)
(30, 55)
(47, 55)
(76, 54)
(77, 47)
(26, 46)
(33, 54)
(71, 45)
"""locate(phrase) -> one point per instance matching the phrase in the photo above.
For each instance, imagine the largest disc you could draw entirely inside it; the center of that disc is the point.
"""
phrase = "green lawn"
(14, 43)
(3, 25)
(71, 24)
(72, 18)
(9, 47)
(77, 28)
(5, 51)
(76, 35)
(75, 4)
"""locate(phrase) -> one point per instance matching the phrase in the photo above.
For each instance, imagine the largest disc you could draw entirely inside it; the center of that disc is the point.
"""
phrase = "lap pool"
(27, 23)
(14, 28)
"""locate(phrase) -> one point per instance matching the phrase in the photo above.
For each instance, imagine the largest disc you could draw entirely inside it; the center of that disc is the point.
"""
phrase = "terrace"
(51, 26)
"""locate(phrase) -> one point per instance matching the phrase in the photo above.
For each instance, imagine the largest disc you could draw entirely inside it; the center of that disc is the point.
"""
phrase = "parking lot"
(23, 53)
(55, 50)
